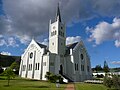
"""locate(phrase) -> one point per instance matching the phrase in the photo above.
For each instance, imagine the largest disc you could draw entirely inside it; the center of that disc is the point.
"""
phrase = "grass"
(25, 84)
(86, 86)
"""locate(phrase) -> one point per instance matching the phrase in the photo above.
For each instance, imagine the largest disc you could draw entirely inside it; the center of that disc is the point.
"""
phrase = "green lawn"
(86, 86)
(25, 84)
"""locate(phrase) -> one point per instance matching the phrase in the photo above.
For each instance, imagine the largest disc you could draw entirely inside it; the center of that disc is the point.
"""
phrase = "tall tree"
(98, 68)
(105, 67)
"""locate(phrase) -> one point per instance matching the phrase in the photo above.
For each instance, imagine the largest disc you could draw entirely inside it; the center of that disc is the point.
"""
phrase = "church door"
(61, 70)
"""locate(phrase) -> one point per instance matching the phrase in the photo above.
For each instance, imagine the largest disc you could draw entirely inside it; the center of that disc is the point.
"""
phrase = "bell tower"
(57, 35)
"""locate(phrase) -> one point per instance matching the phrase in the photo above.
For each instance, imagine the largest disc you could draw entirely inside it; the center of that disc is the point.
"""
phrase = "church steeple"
(57, 35)
(58, 16)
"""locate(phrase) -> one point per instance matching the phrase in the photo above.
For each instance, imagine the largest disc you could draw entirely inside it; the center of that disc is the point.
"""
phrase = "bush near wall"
(53, 78)
(112, 82)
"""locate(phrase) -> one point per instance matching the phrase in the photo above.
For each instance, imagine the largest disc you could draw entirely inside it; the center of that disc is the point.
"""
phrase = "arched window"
(55, 32)
(81, 56)
(31, 55)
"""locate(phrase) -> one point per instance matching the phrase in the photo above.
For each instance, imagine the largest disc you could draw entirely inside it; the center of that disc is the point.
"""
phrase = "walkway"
(70, 86)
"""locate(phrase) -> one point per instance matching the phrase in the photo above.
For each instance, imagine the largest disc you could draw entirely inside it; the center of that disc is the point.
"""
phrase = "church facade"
(70, 61)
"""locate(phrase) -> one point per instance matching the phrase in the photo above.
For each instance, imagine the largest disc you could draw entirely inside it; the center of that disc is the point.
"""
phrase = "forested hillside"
(6, 61)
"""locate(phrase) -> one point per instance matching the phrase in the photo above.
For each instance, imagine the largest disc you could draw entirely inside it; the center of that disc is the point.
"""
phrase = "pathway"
(70, 86)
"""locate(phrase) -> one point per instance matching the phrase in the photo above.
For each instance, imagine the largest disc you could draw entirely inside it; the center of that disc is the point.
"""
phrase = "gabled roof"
(70, 46)
(41, 45)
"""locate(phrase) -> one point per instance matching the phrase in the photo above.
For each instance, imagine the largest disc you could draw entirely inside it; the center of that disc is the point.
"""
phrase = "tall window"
(88, 68)
(82, 67)
(81, 56)
(76, 67)
(35, 66)
(38, 66)
(24, 67)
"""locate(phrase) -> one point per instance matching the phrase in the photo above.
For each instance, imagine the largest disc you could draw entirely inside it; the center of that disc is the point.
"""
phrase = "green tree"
(105, 67)
(98, 68)
(9, 74)
(15, 66)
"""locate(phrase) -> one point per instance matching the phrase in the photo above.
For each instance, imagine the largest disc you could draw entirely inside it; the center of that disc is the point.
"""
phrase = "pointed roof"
(69, 46)
(41, 45)
(58, 14)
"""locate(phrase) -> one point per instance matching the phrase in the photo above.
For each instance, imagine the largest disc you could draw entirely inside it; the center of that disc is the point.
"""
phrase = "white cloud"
(1, 36)
(117, 43)
(105, 31)
(45, 42)
(8, 42)
(2, 42)
(24, 39)
(115, 62)
(12, 42)
(28, 18)
(70, 40)
(5, 53)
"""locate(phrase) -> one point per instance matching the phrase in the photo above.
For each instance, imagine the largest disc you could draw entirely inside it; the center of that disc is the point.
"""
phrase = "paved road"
(70, 86)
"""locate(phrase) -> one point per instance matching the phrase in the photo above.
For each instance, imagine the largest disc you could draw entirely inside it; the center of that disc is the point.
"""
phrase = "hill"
(6, 60)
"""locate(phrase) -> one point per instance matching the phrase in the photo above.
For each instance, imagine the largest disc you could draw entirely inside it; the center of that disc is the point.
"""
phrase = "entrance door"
(61, 70)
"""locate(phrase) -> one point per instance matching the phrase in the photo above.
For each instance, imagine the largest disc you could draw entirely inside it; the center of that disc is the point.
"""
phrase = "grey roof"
(70, 46)
(41, 45)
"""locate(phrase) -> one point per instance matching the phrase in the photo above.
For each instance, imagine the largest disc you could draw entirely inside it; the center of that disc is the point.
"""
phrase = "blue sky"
(95, 22)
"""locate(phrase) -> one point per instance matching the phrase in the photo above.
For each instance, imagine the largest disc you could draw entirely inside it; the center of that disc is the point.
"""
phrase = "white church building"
(71, 61)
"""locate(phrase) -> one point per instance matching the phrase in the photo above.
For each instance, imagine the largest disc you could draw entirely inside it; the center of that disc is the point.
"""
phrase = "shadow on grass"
(35, 86)
(6, 85)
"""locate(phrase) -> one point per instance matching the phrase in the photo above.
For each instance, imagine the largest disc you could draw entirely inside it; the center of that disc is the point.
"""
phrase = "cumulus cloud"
(27, 18)
(5, 53)
(2, 42)
(105, 31)
(115, 62)
(70, 40)
(45, 42)
(8, 41)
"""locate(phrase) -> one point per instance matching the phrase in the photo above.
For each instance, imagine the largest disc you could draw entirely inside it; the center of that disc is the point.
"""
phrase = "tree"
(98, 68)
(9, 74)
(1, 70)
(15, 66)
(105, 67)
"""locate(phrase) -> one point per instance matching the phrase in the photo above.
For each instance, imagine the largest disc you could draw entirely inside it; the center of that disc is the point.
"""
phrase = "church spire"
(58, 17)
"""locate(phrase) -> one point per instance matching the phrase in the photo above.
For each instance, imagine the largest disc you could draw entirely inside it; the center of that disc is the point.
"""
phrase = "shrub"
(53, 78)
(114, 81)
